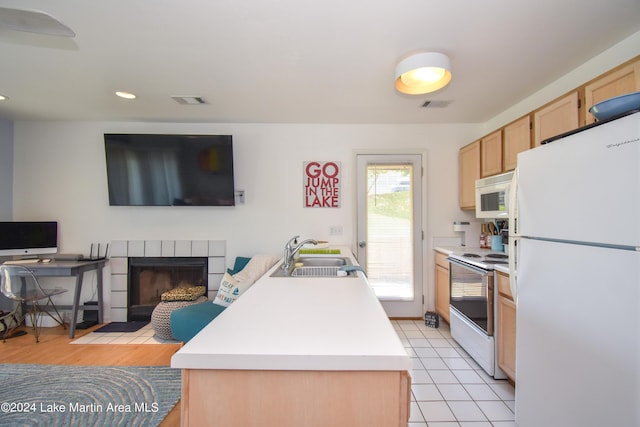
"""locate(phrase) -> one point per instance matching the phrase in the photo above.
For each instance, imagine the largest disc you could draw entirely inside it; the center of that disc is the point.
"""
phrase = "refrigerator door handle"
(514, 236)
(513, 270)
(513, 205)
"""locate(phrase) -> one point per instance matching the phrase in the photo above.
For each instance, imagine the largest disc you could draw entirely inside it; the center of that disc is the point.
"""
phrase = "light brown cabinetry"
(468, 172)
(442, 286)
(517, 138)
(506, 327)
(498, 151)
(619, 81)
(295, 398)
(557, 117)
(491, 154)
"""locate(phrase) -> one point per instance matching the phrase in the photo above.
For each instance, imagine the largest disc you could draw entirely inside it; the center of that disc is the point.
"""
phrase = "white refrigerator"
(575, 253)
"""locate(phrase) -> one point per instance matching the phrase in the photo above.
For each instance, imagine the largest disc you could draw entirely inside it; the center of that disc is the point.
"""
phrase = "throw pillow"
(190, 293)
(230, 290)
(240, 263)
(256, 267)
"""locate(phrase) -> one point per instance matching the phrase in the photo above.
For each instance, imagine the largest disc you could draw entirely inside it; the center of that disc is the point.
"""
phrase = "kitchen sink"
(324, 261)
(316, 267)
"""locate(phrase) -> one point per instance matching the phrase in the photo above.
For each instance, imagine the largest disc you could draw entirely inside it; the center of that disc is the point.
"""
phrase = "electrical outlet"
(335, 230)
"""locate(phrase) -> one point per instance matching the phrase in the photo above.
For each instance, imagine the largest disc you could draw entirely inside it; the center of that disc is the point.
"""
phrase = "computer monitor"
(28, 238)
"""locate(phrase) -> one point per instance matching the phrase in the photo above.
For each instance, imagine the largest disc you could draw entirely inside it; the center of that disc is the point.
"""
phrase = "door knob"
(362, 243)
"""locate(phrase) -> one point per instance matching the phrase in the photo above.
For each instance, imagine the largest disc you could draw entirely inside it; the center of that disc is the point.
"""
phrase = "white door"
(389, 189)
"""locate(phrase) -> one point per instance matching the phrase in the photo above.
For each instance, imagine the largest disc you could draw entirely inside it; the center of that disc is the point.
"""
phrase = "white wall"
(610, 58)
(6, 170)
(60, 175)
(6, 184)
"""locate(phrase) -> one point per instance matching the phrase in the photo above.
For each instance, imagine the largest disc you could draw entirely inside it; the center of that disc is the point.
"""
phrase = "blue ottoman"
(188, 321)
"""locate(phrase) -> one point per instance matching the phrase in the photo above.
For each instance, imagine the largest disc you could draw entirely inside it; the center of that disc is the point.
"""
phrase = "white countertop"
(448, 250)
(502, 268)
(299, 324)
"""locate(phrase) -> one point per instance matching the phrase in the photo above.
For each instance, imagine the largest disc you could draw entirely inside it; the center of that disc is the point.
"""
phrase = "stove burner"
(500, 256)
(472, 255)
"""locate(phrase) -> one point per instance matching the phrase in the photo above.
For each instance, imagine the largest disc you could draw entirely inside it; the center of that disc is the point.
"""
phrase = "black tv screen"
(169, 170)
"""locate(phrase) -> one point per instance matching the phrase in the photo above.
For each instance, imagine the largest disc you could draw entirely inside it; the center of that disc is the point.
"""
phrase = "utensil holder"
(496, 243)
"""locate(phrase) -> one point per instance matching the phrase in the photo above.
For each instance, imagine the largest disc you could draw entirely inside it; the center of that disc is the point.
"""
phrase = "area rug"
(38, 395)
(122, 327)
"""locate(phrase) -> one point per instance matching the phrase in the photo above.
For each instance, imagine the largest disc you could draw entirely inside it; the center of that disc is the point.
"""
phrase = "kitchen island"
(297, 352)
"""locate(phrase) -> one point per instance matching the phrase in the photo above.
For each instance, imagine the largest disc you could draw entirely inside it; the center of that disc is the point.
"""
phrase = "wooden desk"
(72, 269)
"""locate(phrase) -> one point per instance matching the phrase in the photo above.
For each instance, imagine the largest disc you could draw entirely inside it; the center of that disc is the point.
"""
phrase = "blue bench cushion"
(188, 321)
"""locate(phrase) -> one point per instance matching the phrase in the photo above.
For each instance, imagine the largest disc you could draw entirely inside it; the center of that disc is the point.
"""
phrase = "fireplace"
(150, 277)
(166, 251)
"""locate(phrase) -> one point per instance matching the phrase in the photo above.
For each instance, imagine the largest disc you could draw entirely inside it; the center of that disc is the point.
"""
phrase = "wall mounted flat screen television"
(169, 170)
(28, 238)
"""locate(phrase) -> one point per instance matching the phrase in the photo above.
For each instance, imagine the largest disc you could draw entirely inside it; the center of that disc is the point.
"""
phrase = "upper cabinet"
(468, 172)
(498, 151)
(491, 154)
(619, 81)
(557, 117)
(517, 138)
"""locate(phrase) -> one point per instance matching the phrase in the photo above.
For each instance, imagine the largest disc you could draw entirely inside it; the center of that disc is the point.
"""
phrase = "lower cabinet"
(442, 286)
(506, 327)
(295, 398)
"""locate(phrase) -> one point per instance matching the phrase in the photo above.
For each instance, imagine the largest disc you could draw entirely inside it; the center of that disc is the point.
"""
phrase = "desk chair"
(20, 285)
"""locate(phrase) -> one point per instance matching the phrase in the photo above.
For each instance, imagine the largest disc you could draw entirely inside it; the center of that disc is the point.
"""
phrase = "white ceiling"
(302, 61)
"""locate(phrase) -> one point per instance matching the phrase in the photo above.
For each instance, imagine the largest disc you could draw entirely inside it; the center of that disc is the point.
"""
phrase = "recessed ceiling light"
(3, 98)
(126, 95)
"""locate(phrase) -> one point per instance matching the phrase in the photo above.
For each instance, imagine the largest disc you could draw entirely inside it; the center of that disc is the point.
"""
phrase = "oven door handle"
(468, 266)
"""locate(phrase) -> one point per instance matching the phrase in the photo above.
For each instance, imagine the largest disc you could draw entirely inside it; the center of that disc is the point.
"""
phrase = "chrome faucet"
(290, 250)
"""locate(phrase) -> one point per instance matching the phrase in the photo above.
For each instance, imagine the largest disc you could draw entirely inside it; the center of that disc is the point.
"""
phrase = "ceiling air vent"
(435, 104)
(189, 100)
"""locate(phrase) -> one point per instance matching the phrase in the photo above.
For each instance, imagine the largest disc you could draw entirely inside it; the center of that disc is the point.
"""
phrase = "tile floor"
(448, 388)
(144, 335)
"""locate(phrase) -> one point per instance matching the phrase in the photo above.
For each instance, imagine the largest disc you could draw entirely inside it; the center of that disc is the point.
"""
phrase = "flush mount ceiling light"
(33, 21)
(126, 95)
(423, 73)
(3, 98)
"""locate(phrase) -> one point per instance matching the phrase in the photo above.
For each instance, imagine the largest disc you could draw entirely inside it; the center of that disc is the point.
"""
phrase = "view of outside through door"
(389, 230)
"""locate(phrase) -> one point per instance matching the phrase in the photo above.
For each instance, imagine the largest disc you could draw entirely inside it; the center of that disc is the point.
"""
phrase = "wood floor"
(54, 349)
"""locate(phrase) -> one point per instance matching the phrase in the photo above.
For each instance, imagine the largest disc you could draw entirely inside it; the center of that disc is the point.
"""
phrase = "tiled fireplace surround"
(122, 250)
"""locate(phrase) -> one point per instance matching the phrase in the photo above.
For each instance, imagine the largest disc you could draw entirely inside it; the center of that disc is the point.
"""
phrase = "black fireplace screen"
(150, 277)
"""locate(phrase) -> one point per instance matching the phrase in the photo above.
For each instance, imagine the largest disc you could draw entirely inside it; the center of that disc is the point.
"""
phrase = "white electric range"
(472, 304)
(481, 258)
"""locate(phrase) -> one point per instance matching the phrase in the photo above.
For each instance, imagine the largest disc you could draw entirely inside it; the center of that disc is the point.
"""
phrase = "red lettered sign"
(321, 184)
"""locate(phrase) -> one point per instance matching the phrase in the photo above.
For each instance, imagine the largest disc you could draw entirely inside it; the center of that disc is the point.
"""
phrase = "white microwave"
(492, 196)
